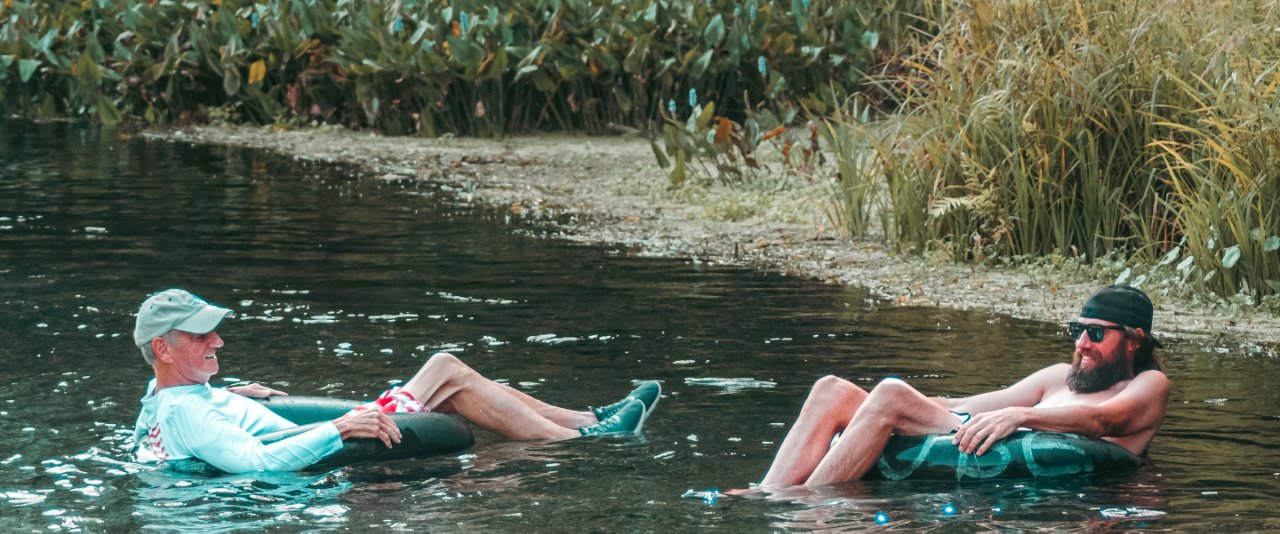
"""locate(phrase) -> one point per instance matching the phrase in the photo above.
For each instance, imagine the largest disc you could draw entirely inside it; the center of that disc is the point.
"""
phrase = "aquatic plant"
(790, 62)
(417, 66)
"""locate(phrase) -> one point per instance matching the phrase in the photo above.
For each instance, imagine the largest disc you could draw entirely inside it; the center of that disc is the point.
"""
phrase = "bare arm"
(1026, 392)
(1138, 408)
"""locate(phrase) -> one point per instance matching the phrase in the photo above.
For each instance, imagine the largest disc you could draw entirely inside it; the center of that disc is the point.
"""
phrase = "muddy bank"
(620, 198)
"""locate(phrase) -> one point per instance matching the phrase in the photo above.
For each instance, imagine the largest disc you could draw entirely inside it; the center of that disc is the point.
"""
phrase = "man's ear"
(160, 348)
(1134, 343)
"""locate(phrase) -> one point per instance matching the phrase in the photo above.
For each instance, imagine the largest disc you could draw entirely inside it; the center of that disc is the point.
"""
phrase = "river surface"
(345, 283)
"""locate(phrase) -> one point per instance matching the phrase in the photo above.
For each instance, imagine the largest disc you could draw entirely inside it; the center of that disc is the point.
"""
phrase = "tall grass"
(1087, 128)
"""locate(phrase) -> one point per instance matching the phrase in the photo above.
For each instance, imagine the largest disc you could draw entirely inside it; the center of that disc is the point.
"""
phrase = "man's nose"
(215, 340)
(1083, 341)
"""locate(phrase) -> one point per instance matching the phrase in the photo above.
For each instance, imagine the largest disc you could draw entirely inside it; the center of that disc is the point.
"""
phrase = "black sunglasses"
(1096, 331)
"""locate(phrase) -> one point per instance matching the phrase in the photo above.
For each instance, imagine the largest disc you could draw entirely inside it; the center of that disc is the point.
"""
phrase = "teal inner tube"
(1023, 454)
(422, 434)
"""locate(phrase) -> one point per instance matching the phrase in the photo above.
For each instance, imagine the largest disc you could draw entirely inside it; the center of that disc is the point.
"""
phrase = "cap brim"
(204, 321)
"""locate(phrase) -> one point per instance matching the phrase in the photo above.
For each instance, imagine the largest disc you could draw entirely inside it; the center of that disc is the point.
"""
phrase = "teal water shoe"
(647, 392)
(626, 420)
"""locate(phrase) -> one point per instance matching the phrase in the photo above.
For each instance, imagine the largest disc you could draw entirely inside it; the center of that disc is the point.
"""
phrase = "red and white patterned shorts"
(394, 400)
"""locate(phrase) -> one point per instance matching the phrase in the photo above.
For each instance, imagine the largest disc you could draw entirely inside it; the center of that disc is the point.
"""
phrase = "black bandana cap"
(1120, 304)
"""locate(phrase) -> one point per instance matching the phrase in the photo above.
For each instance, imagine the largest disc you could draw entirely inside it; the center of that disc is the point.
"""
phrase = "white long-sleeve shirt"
(220, 427)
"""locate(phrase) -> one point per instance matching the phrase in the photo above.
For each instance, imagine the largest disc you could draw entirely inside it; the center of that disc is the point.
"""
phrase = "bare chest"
(1063, 396)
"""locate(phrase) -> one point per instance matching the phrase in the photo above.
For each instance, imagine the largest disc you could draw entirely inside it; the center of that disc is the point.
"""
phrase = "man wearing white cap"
(183, 417)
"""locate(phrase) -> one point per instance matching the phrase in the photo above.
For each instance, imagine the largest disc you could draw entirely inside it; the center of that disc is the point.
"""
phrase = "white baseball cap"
(176, 309)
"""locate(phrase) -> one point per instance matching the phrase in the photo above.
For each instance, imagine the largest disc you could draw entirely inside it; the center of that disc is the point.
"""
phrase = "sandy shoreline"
(620, 197)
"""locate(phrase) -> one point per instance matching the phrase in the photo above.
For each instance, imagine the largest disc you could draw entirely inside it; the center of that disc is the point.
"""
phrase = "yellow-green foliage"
(1085, 127)
(406, 66)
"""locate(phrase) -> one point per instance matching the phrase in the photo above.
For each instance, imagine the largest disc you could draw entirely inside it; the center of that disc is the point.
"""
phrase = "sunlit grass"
(1087, 128)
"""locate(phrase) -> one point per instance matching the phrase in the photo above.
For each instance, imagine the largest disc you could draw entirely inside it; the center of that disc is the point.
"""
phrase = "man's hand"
(368, 424)
(256, 391)
(985, 429)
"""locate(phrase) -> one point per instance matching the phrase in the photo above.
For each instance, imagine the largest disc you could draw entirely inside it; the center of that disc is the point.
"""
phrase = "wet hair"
(1144, 358)
(171, 337)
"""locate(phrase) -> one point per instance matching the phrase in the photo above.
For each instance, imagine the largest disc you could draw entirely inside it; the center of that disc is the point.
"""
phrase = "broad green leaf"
(1274, 285)
(27, 67)
(1271, 244)
(797, 9)
(6, 60)
(498, 67)
(93, 48)
(633, 63)
(45, 42)
(417, 35)
(704, 118)
(700, 65)
(525, 70)
(107, 111)
(870, 38)
(465, 52)
(153, 73)
(714, 31)
(531, 58)
(543, 82)
(1230, 256)
(87, 70)
(231, 81)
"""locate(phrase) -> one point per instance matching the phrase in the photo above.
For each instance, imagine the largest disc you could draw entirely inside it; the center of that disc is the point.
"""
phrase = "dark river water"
(344, 283)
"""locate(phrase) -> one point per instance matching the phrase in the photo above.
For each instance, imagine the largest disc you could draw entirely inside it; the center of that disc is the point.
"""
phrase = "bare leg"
(561, 416)
(892, 407)
(445, 383)
(828, 409)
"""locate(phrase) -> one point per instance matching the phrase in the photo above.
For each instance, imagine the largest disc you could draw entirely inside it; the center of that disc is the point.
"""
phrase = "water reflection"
(168, 501)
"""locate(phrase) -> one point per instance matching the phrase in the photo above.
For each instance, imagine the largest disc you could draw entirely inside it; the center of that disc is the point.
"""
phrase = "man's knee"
(890, 389)
(830, 382)
(833, 390)
(446, 363)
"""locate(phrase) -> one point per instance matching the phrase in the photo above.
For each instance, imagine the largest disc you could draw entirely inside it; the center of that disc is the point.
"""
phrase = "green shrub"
(408, 66)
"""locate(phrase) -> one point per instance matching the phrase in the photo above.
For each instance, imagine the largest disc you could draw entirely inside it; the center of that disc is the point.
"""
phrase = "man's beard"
(1100, 377)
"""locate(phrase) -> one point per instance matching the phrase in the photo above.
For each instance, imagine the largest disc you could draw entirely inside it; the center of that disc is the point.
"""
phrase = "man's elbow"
(1105, 424)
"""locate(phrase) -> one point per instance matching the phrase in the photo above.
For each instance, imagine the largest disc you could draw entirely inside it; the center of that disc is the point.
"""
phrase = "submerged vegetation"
(1141, 137)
